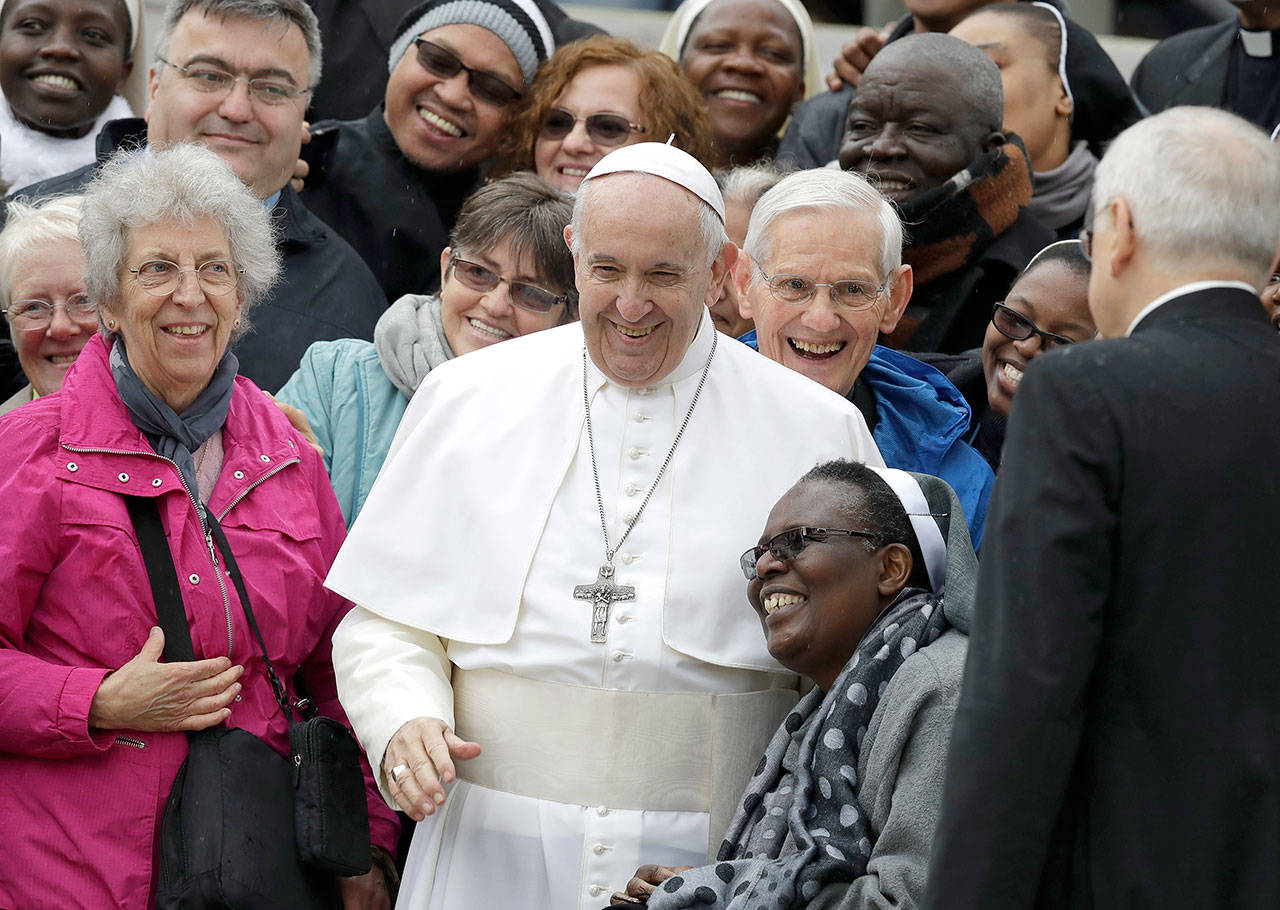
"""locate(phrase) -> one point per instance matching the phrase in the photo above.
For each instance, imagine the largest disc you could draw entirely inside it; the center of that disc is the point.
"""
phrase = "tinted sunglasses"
(444, 63)
(604, 129)
(1013, 325)
(525, 296)
(789, 544)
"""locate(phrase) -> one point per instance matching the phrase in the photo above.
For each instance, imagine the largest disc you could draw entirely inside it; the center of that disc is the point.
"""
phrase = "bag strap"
(172, 615)
(215, 529)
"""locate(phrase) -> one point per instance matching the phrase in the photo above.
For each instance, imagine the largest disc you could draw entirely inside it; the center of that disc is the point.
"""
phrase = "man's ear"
(1124, 240)
(742, 281)
(895, 569)
(992, 140)
(899, 294)
(444, 261)
(721, 270)
(153, 83)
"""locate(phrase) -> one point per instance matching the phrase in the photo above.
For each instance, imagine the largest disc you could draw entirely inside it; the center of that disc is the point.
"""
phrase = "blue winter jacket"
(354, 410)
(921, 420)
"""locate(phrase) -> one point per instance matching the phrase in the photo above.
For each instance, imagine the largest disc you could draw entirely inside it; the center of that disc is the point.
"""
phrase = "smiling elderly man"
(234, 75)
(550, 555)
(822, 276)
(925, 129)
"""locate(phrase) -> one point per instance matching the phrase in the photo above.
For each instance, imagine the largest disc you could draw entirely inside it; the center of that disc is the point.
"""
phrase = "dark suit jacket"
(1189, 68)
(1117, 742)
(325, 291)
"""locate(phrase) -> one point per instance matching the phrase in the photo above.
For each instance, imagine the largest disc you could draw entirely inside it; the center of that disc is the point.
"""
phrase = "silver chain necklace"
(604, 593)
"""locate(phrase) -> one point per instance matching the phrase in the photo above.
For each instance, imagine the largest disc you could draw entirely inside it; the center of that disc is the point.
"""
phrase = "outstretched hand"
(426, 747)
(146, 694)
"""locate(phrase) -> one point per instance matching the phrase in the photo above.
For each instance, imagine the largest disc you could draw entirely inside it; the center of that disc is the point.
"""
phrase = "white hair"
(824, 190)
(709, 224)
(1202, 184)
(180, 183)
(30, 226)
(745, 184)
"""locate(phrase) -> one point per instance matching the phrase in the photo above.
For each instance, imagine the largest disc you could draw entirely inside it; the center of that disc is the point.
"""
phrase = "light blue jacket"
(921, 420)
(354, 410)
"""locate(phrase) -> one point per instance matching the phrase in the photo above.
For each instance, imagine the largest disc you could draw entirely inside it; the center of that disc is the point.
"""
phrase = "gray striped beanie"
(519, 23)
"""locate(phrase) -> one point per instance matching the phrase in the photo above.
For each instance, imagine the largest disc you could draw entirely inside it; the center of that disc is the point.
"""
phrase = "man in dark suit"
(1234, 65)
(1117, 742)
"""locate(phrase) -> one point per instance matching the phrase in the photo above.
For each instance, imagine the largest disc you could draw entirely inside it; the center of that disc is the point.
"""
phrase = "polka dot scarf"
(800, 826)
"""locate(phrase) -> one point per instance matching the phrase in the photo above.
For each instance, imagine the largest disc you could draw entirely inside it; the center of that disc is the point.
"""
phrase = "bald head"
(970, 77)
(926, 108)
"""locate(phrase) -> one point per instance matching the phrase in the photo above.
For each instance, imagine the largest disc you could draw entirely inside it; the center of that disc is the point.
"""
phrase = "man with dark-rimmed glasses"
(235, 76)
(392, 183)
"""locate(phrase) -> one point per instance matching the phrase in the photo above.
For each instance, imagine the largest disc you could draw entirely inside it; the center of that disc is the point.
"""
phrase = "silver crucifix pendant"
(603, 594)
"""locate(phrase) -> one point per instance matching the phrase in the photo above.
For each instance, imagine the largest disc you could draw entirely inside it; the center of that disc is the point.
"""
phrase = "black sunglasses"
(604, 129)
(525, 296)
(1016, 327)
(442, 62)
(788, 545)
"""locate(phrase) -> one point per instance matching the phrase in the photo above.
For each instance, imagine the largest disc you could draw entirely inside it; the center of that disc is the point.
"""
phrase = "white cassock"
(463, 563)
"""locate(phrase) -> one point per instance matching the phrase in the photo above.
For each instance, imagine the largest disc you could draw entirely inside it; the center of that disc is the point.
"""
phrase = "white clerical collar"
(694, 359)
(1257, 43)
(1181, 292)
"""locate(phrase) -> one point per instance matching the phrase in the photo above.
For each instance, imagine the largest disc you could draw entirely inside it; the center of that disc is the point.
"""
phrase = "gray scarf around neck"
(1060, 196)
(172, 435)
(410, 341)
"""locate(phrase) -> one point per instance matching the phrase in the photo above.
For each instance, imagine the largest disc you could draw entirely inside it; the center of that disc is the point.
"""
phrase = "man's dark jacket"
(1117, 742)
(325, 291)
(396, 215)
(1190, 68)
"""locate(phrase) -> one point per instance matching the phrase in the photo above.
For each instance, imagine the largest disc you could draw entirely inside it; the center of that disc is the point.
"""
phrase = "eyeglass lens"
(1015, 326)
(604, 129)
(159, 277)
(39, 313)
(526, 296)
(444, 63)
(849, 293)
(785, 546)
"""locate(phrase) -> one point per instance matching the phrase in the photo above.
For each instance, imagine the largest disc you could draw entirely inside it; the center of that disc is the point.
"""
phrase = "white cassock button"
(620, 656)
(602, 811)
(238, 475)
(641, 417)
(596, 890)
(632, 489)
(635, 452)
(624, 617)
(193, 578)
(628, 558)
(122, 477)
(599, 849)
(629, 517)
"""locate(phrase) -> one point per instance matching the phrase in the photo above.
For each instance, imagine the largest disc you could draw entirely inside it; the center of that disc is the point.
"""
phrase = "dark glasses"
(525, 296)
(1013, 325)
(787, 546)
(604, 129)
(444, 63)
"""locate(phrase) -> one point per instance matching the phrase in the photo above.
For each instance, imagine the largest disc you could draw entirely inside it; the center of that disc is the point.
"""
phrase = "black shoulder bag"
(243, 827)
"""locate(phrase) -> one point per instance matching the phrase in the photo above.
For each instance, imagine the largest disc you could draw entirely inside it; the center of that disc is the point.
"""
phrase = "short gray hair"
(33, 224)
(295, 12)
(824, 190)
(745, 184)
(1201, 184)
(180, 183)
(709, 223)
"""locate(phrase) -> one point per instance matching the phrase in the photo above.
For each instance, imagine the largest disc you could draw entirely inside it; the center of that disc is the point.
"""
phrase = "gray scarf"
(175, 436)
(409, 338)
(1060, 196)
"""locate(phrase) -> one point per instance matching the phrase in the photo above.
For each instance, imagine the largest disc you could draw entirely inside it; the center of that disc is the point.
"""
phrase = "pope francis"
(548, 601)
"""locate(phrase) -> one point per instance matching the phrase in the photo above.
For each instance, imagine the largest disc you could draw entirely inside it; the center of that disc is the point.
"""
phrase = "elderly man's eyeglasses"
(787, 546)
(1016, 327)
(212, 81)
(442, 62)
(849, 294)
(160, 277)
(604, 129)
(525, 296)
(38, 314)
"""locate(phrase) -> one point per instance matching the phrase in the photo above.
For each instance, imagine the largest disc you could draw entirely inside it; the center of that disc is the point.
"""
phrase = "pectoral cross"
(603, 594)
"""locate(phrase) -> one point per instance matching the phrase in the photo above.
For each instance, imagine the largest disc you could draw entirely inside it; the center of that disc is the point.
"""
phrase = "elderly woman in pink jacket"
(92, 722)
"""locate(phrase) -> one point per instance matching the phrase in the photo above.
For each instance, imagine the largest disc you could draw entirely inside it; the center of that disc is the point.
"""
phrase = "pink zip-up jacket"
(80, 808)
